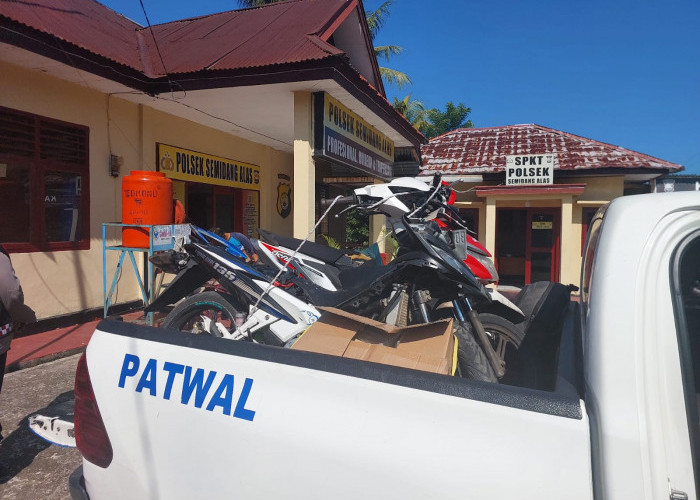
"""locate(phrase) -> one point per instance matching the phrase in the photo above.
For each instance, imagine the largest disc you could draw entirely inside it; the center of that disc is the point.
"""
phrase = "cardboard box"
(429, 347)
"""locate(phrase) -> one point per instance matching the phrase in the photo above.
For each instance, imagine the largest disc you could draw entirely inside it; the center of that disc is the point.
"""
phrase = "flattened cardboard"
(427, 347)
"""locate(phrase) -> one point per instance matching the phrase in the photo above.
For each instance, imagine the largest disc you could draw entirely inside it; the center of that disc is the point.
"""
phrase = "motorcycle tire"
(189, 315)
(505, 336)
(471, 360)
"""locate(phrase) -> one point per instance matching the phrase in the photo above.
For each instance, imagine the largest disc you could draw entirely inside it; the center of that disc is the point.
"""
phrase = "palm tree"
(414, 111)
(375, 21)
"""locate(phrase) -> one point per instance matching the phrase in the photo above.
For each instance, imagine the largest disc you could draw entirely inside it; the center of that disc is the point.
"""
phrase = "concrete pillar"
(481, 235)
(147, 141)
(303, 187)
(377, 231)
(490, 232)
(268, 193)
(570, 244)
(378, 228)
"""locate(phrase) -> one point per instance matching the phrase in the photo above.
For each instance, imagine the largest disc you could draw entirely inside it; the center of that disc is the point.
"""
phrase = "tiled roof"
(484, 151)
(286, 32)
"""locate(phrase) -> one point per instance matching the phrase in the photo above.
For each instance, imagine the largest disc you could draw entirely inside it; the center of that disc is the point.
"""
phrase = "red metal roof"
(84, 23)
(255, 43)
(484, 151)
(286, 32)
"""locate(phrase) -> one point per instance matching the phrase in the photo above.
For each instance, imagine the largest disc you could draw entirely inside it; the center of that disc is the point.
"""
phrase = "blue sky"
(625, 72)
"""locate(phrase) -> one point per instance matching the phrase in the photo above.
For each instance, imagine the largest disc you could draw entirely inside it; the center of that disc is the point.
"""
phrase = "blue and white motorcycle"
(271, 306)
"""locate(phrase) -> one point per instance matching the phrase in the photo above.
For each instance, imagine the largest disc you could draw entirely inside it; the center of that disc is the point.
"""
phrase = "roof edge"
(607, 145)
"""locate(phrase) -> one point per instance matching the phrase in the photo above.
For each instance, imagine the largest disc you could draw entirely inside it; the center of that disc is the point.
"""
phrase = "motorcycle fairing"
(206, 236)
(234, 274)
(424, 236)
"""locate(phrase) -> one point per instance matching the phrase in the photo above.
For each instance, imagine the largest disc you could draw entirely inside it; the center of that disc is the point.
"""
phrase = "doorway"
(527, 245)
(227, 208)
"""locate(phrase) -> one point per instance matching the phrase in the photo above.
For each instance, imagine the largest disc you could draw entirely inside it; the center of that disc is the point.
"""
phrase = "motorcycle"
(322, 264)
(255, 305)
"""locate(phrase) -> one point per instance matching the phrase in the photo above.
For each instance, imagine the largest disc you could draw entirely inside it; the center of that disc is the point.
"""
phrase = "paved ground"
(37, 348)
(39, 379)
(46, 346)
(30, 467)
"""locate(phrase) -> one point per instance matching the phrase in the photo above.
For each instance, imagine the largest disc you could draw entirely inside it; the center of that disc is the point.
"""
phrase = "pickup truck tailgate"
(199, 417)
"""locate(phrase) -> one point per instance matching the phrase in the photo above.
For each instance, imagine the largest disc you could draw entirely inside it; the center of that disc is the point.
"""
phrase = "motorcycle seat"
(353, 281)
(321, 252)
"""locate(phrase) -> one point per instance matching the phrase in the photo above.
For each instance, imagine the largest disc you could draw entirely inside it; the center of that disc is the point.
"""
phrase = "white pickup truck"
(161, 414)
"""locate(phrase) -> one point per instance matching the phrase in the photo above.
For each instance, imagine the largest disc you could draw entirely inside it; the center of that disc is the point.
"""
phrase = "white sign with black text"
(527, 170)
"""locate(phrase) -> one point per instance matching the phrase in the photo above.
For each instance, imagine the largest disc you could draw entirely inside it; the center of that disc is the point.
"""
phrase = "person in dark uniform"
(14, 313)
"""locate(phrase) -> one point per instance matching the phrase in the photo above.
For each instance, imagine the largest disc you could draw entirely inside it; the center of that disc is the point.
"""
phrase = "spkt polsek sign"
(528, 170)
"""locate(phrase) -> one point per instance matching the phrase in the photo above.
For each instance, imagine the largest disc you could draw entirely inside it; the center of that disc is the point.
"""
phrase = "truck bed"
(280, 423)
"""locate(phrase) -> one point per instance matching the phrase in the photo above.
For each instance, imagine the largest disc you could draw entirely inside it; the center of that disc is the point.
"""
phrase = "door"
(527, 245)
(211, 206)
(511, 245)
(542, 245)
(224, 208)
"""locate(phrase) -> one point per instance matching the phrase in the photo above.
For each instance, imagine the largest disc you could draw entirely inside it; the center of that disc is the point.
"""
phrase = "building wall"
(57, 283)
(598, 191)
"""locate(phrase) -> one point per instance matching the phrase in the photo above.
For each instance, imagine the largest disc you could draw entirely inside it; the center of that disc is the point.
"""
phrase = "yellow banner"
(187, 165)
(340, 119)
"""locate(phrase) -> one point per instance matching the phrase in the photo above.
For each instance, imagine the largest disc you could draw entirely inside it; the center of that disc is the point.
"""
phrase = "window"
(44, 179)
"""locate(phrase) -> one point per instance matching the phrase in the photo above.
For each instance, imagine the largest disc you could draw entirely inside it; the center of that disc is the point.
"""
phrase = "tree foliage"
(375, 21)
(356, 229)
(452, 118)
(377, 18)
(413, 110)
(432, 122)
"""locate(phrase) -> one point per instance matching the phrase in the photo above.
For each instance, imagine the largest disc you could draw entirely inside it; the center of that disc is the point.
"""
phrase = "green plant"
(391, 246)
(332, 242)
(357, 229)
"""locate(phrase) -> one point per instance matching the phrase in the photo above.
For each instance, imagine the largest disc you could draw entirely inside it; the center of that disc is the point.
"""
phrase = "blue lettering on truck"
(196, 385)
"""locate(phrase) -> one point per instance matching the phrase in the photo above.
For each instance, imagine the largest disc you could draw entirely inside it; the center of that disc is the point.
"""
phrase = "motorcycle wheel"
(200, 314)
(471, 360)
(505, 336)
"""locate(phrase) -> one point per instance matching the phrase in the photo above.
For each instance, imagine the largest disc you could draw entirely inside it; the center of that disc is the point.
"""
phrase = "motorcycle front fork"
(462, 306)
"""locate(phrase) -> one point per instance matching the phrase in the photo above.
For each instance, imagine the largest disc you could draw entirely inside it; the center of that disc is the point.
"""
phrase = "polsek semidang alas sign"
(530, 169)
(346, 138)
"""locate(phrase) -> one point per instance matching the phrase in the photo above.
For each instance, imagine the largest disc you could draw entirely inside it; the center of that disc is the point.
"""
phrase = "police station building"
(530, 191)
(253, 114)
